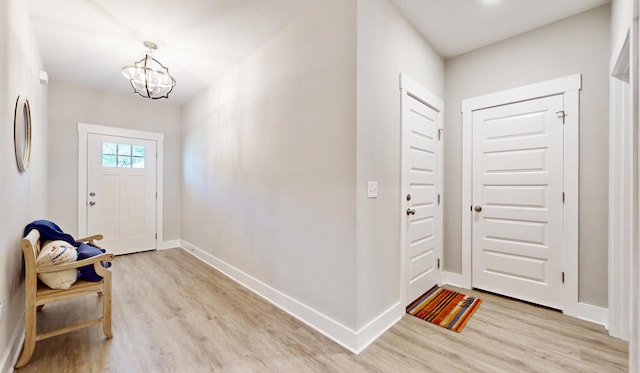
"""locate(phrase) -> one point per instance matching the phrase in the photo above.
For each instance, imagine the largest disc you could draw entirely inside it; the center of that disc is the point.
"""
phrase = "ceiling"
(86, 42)
(454, 27)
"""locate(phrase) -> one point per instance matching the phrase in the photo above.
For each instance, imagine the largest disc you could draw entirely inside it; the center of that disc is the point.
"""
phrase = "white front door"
(421, 196)
(121, 192)
(517, 243)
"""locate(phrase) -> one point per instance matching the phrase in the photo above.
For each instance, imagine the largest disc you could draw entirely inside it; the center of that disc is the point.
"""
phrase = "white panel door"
(518, 200)
(420, 142)
(121, 192)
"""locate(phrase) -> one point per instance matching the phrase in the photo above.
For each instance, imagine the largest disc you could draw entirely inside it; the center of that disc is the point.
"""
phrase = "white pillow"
(53, 253)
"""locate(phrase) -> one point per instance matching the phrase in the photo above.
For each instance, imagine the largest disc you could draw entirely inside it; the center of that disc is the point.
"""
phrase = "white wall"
(70, 104)
(387, 46)
(277, 155)
(269, 163)
(578, 44)
(23, 199)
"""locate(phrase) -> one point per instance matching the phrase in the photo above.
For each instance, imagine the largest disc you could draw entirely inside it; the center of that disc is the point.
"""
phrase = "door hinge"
(440, 130)
(563, 277)
(561, 114)
(563, 197)
(438, 263)
(156, 236)
(438, 199)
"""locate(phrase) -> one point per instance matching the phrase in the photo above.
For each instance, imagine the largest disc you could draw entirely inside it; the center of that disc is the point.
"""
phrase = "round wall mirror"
(22, 133)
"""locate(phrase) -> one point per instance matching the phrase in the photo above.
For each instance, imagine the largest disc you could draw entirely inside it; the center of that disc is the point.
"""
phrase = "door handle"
(411, 211)
(478, 208)
(92, 203)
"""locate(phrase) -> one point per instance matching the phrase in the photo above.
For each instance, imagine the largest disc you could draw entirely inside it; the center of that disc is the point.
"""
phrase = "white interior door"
(421, 194)
(121, 192)
(517, 243)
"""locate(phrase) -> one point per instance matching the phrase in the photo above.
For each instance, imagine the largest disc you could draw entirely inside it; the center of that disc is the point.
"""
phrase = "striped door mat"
(445, 308)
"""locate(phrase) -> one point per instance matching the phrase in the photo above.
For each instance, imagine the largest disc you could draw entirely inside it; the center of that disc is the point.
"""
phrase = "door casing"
(84, 130)
(569, 87)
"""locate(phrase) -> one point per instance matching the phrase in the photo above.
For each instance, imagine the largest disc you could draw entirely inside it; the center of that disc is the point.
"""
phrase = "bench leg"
(29, 337)
(106, 309)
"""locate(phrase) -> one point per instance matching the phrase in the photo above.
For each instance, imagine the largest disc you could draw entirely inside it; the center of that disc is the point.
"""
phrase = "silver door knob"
(92, 203)
(478, 208)
(411, 212)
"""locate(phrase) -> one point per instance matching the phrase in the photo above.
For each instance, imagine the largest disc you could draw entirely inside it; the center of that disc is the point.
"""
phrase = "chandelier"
(148, 77)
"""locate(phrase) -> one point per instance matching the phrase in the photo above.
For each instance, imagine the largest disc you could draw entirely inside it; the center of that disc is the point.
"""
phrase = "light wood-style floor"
(173, 313)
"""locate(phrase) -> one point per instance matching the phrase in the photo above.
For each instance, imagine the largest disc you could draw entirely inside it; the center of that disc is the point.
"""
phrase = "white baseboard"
(375, 328)
(172, 244)
(454, 279)
(10, 356)
(594, 314)
(354, 341)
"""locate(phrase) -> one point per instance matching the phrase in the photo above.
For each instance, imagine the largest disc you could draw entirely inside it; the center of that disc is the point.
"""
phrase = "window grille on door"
(122, 155)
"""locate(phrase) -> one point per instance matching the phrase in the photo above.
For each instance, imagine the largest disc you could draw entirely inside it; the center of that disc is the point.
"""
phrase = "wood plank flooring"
(173, 313)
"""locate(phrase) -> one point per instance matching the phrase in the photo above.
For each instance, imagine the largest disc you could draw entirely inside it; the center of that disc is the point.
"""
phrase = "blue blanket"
(49, 231)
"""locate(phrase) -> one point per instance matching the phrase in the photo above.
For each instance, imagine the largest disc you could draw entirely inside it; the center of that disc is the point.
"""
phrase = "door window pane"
(124, 162)
(108, 160)
(137, 162)
(138, 151)
(124, 149)
(109, 148)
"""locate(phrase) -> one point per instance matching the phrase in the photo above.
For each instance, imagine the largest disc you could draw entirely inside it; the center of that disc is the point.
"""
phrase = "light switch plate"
(372, 189)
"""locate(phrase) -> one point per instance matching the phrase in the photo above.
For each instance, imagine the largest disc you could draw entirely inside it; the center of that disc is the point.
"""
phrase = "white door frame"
(84, 130)
(634, 345)
(410, 88)
(623, 193)
(624, 189)
(568, 86)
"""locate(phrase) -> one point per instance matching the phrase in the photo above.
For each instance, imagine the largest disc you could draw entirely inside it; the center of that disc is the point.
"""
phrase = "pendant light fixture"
(148, 77)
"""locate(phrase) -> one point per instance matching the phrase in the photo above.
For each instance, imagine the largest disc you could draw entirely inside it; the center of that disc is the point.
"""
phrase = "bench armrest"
(91, 239)
(107, 257)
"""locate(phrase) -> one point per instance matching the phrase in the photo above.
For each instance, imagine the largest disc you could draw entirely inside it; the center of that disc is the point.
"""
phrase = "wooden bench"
(38, 294)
